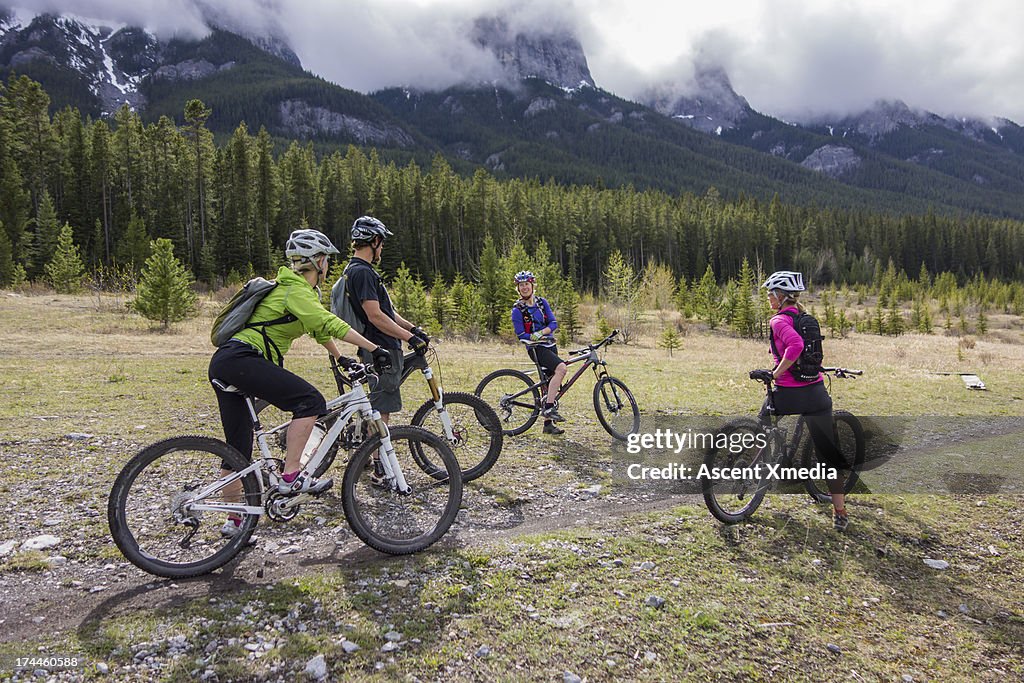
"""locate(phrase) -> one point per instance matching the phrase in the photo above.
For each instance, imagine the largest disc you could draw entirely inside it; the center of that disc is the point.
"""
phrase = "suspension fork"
(437, 394)
(388, 458)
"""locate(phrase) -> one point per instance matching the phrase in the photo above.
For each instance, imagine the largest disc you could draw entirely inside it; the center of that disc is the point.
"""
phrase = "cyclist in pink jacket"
(795, 397)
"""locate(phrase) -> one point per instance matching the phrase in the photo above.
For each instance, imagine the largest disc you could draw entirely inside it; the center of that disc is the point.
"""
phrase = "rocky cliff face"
(111, 58)
(556, 57)
(302, 119)
(832, 160)
(707, 103)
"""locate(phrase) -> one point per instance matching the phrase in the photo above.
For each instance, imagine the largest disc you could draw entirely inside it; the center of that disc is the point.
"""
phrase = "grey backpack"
(234, 317)
(341, 304)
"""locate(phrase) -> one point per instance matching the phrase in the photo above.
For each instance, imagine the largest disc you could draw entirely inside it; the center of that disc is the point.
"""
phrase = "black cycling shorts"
(546, 356)
(813, 402)
(241, 365)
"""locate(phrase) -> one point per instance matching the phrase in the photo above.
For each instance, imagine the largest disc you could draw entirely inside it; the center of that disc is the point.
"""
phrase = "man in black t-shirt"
(371, 303)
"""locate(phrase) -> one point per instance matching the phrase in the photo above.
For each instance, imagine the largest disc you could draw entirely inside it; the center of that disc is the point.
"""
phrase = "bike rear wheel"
(150, 509)
(734, 500)
(616, 408)
(476, 430)
(402, 523)
(849, 437)
(513, 397)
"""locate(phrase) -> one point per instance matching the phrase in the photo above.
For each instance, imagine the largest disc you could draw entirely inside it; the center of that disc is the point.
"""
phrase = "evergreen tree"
(44, 241)
(410, 298)
(493, 287)
(569, 325)
(708, 299)
(64, 272)
(133, 249)
(894, 324)
(744, 317)
(670, 339)
(6, 262)
(165, 291)
(441, 306)
(14, 207)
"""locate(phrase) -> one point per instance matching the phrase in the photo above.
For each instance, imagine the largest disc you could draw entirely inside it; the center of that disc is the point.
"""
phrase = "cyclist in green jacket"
(253, 360)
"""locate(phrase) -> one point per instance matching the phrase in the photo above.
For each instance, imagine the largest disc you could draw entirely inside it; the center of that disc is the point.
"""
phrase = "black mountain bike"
(518, 399)
(764, 446)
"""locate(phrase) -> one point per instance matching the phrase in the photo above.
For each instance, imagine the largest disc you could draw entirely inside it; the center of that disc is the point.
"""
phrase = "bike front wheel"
(745, 445)
(513, 397)
(476, 433)
(393, 521)
(156, 513)
(848, 435)
(616, 408)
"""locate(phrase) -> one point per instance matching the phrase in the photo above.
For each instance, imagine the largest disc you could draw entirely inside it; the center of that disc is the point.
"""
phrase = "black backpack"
(807, 367)
(527, 318)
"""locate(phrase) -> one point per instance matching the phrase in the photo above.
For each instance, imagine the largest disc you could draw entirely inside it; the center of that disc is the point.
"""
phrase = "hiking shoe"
(552, 414)
(378, 478)
(552, 428)
(840, 520)
(232, 527)
(305, 485)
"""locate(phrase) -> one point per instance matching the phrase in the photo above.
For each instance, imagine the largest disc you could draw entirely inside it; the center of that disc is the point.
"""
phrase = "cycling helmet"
(524, 276)
(306, 243)
(786, 280)
(365, 228)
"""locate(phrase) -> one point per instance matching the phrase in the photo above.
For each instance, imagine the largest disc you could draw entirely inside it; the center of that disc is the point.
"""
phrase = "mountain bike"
(470, 426)
(757, 447)
(167, 504)
(518, 399)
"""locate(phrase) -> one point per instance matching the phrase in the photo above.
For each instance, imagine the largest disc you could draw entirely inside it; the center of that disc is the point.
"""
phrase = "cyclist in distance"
(253, 361)
(533, 320)
(372, 305)
(795, 397)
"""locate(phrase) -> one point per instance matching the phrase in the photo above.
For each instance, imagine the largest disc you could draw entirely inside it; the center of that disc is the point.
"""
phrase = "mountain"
(708, 104)
(99, 68)
(555, 55)
(543, 117)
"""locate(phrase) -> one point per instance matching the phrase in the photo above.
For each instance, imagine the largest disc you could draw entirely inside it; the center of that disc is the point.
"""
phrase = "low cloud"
(789, 58)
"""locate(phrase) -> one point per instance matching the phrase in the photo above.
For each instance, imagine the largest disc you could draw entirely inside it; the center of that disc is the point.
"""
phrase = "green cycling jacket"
(294, 295)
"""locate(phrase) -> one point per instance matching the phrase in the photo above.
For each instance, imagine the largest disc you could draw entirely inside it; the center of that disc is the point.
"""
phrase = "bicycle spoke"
(161, 523)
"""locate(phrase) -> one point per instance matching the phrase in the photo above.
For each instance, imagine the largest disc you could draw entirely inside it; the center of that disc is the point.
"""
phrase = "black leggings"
(813, 402)
(243, 366)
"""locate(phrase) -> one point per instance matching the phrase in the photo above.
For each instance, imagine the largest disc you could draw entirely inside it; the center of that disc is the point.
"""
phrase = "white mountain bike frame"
(347, 405)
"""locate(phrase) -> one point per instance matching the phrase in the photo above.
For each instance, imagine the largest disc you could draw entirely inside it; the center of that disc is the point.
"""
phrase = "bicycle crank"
(282, 507)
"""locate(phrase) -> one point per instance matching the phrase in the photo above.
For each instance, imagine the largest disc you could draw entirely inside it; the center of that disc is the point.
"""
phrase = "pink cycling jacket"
(790, 344)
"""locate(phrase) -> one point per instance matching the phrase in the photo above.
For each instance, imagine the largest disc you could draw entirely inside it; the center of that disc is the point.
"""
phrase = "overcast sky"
(789, 58)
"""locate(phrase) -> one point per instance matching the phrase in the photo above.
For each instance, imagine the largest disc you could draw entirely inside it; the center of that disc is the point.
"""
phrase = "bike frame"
(415, 361)
(587, 356)
(344, 406)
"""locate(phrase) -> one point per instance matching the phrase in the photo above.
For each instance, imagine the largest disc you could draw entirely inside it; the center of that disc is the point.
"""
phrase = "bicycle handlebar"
(767, 377)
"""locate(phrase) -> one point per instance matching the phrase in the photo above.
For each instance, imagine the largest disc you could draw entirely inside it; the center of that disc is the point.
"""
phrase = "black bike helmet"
(366, 228)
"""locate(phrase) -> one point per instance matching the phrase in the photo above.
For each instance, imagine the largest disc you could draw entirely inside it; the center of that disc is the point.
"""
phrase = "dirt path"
(94, 580)
(78, 594)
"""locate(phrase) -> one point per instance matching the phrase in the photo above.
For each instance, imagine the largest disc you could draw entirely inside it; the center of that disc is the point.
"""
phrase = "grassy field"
(544, 576)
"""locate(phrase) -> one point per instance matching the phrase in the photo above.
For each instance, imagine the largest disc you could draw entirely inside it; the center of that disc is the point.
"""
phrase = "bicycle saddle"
(227, 388)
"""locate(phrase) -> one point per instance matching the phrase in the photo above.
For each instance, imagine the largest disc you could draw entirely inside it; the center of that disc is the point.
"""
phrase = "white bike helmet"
(786, 280)
(307, 243)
